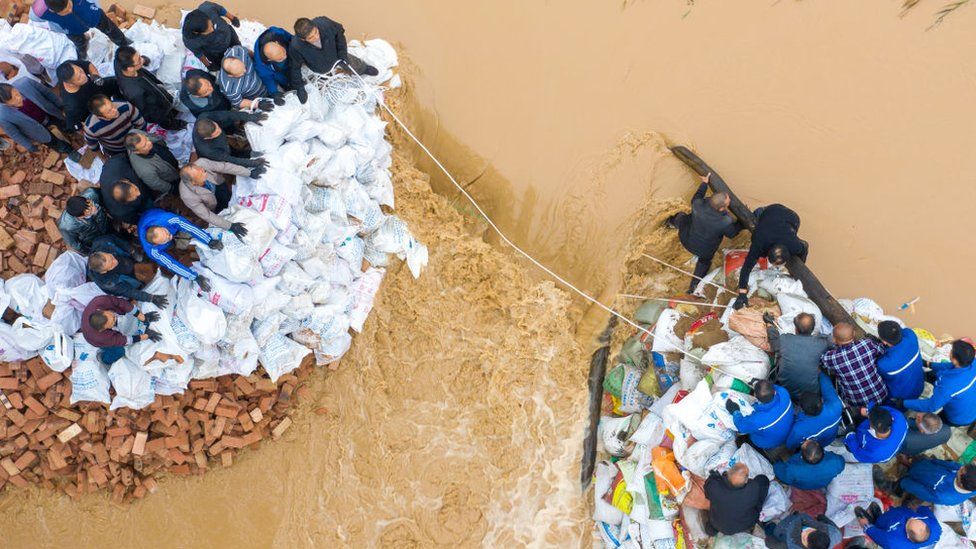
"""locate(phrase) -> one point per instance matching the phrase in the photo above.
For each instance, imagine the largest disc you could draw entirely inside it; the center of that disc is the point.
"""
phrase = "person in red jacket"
(110, 323)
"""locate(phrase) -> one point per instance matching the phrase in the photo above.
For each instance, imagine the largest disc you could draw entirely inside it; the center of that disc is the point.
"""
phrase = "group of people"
(118, 223)
(867, 387)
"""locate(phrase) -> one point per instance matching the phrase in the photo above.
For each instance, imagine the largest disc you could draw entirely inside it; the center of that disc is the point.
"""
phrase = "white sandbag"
(742, 540)
(951, 540)
(299, 307)
(241, 357)
(777, 283)
(705, 456)
(393, 236)
(603, 475)
(650, 432)
(867, 310)
(49, 48)
(59, 353)
(67, 271)
(28, 295)
(89, 377)
(615, 434)
(270, 207)
(364, 293)
(32, 336)
(777, 503)
(234, 298)
(280, 355)
(236, 261)
(665, 340)
(792, 305)
(853, 487)
(204, 319)
(173, 380)
(739, 358)
(294, 280)
(758, 465)
(275, 257)
(10, 351)
(332, 349)
(133, 386)
(91, 174)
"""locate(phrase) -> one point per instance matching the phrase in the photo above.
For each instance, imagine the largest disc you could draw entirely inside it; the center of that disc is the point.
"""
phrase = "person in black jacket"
(210, 141)
(208, 35)
(78, 82)
(701, 232)
(141, 88)
(111, 266)
(200, 94)
(775, 237)
(124, 196)
(319, 44)
(736, 501)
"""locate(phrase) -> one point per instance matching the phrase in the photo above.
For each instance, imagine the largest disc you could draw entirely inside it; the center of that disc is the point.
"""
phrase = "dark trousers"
(108, 28)
(683, 222)
(59, 145)
(222, 192)
(110, 355)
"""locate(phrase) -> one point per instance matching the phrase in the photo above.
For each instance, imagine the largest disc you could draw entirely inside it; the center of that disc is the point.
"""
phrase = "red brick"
(139, 446)
(48, 381)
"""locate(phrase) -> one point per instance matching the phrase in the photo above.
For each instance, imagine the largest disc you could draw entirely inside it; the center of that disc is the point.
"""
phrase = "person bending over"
(78, 82)
(775, 238)
(205, 191)
(800, 530)
(320, 44)
(811, 468)
(111, 323)
(109, 123)
(211, 143)
(771, 419)
(901, 364)
(112, 267)
(955, 387)
(157, 228)
(940, 482)
(852, 361)
(152, 161)
(271, 61)
(735, 500)
(900, 527)
(878, 438)
(239, 80)
(925, 431)
(27, 109)
(82, 221)
(208, 34)
(75, 18)
(141, 88)
(797, 355)
(819, 416)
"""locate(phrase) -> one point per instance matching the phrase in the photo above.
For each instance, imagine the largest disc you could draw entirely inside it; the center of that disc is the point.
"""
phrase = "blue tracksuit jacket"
(901, 367)
(273, 75)
(889, 530)
(85, 14)
(934, 481)
(805, 476)
(822, 426)
(768, 424)
(954, 392)
(173, 223)
(869, 449)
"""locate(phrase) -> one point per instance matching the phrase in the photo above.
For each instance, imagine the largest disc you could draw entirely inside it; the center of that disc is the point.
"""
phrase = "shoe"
(875, 511)
(860, 513)
(669, 222)
(370, 71)
(74, 156)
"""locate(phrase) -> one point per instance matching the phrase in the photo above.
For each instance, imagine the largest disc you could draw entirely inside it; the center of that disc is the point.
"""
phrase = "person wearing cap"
(901, 364)
(900, 527)
(797, 355)
(771, 419)
(735, 500)
(954, 391)
(701, 232)
(111, 323)
(809, 469)
(158, 228)
(775, 238)
(82, 221)
(819, 416)
(940, 482)
(852, 361)
(878, 438)
(208, 34)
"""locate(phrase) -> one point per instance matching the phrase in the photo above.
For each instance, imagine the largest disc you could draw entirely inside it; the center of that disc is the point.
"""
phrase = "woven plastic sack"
(133, 386)
(665, 341)
(59, 353)
(280, 355)
(749, 323)
(89, 377)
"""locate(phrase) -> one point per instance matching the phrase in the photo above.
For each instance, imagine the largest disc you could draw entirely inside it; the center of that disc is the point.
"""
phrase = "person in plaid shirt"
(853, 363)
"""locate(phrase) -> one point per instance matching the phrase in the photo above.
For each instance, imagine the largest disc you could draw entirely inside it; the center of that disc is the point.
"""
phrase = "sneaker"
(370, 71)
(860, 513)
(74, 156)
(669, 222)
(875, 511)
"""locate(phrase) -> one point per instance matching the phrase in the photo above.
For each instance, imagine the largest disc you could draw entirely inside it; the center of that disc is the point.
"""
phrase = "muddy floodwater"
(456, 418)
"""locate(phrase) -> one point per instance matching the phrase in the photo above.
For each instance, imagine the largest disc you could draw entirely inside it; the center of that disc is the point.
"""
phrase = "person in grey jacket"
(152, 161)
(82, 221)
(797, 355)
(205, 191)
(801, 531)
(28, 108)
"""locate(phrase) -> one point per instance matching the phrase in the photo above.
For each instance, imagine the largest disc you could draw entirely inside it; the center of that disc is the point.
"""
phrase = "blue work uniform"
(934, 481)
(889, 530)
(822, 426)
(805, 476)
(901, 367)
(769, 423)
(954, 392)
(173, 223)
(868, 448)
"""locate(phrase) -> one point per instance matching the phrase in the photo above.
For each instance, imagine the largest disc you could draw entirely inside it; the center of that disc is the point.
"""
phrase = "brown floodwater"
(456, 418)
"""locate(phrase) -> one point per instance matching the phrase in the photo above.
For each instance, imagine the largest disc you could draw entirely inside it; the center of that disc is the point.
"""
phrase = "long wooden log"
(598, 369)
(797, 269)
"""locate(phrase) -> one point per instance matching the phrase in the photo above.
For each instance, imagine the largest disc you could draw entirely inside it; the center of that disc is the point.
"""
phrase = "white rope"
(547, 270)
(719, 286)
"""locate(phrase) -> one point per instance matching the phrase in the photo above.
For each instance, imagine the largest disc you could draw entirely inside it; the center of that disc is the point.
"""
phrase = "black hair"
(95, 103)
(6, 92)
(303, 27)
(778, 254)
(194, 83)
(818, 540)
(764, 391)
(76, 206)
(963, 352)
(65, 71)
(811, 403)
(890, 332)
(205, 128)
(96, 261)
(880, 419)
(804, 323)
(195, 22)
(125, 57)
(812, 452)
(98, 320)
(56, 5)
(968, 480)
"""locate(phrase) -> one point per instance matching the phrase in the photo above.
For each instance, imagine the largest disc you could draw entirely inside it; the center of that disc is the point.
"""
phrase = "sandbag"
(236, 261)
(133, 386)
(853, 487)
(280, 355)
(363, 294)
(89, 377)
(204, 319)
(749, 323)
(665, 341)
(615, 433)
(738, 358)
(792, 305)
(59, 353)
(758, 465)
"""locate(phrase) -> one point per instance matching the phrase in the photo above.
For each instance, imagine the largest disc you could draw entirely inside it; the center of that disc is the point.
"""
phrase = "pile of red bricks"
(84, 448)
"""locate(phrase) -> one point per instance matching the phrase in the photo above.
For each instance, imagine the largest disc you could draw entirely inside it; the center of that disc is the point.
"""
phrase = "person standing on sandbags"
(735, 500)
(900, 527)
(208, 34)
(152, 161)
(239, 80)
(878, 438)
(319, 44)
(852, 362)
(109, 123)
(78, 82)
(797, 355)
(701, 231)
(811, 468)
(819, 416)
(272, 63)
(74, 18)
(28, 109)
(940, 482)
(141, 88)
(205, 191)
(111, 323)
(200, 95)
(771, 419)
(157, 228)
(955, 387)
(83, 221)
(775, 238)
(901, 364)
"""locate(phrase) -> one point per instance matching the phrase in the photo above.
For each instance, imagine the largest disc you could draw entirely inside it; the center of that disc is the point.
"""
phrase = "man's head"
(138, 142)
(103, 107)
(274, 52)
(967, 477)
(778, 254)
(125, 191)
(764, 391)
(928, 424)
(10, 96)
(69, 73)
(158, 235)
(811, 403)
(9, 70)
(207, 129)
(812, 451)
(815, 539)
(738, 475)
(102, 262)
(60, 7)
(804, 323)
(80, 207)
(962, 353)
(917, 530)
(233, 66)
(199, 86)
(880, 420)
(306, 30)
(197, 22)
(720, 202)
(843, 333)
(102, 320)
(193, 175)
(128, 59)
(889, 332)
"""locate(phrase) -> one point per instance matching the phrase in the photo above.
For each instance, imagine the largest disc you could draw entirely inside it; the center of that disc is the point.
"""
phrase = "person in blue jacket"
(819, 416)
(74, 18)
(955, 387)
(271, 61)
(771, 417)
(811, 468)
(940, 482)
(878, 438)
(901, 364)
(157, 228)
(902, 527)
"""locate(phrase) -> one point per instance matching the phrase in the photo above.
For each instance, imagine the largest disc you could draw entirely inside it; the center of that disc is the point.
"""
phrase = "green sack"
(968, 455)
(613, 382)
(654, 508)
(741, 386)
(649, 312)
(632, 353)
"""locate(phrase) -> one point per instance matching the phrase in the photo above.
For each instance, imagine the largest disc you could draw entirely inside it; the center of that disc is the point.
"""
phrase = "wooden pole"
(797, 269)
